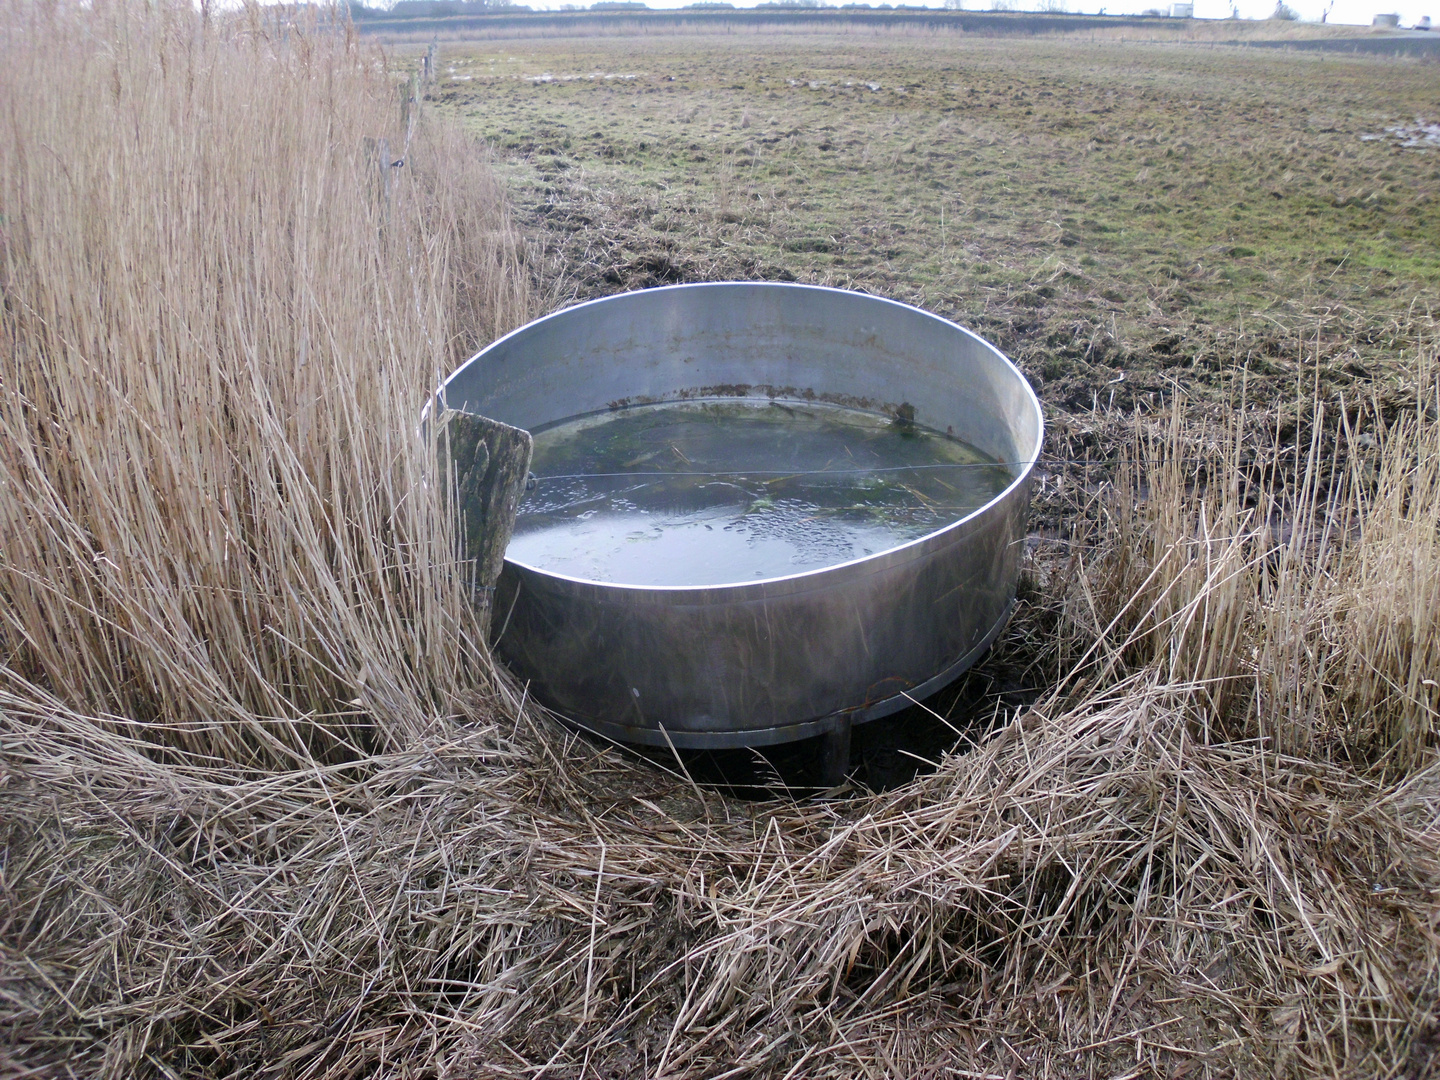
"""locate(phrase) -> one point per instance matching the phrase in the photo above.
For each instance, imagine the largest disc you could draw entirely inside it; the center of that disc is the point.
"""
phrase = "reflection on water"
(713, 492)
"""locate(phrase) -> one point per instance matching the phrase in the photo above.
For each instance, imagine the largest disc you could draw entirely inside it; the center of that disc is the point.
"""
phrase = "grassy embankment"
(245, 836)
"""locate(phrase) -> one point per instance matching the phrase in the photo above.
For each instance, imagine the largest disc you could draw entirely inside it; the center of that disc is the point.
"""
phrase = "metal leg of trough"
(835, 754)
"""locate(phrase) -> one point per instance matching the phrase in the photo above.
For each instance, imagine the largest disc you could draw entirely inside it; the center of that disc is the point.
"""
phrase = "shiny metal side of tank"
(761, 662)
(753, 664)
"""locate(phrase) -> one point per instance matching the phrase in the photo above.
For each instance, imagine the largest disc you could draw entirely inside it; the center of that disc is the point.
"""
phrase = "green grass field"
(1096, 207)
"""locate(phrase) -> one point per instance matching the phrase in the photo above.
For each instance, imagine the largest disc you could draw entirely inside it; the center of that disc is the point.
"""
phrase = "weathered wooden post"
(485, 463)
(377, 156)
(409, 104)
(430, 58)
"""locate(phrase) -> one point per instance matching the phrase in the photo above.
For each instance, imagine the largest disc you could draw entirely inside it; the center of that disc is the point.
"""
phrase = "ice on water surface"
(716, 492)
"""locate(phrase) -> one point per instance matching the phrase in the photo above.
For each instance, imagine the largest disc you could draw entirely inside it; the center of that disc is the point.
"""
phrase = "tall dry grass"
(222, 313)
(238, 842)
(1295, 584)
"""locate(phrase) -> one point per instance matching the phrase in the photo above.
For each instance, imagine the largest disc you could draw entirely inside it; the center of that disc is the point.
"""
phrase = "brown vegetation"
(223, 311)
(267, 811)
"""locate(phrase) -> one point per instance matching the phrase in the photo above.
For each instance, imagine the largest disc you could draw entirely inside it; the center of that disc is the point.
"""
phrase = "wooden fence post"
(485, 463)
(377, 155)
(409, 99)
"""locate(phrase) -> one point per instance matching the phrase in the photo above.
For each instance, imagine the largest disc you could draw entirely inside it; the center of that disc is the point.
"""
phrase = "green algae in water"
(716, 492)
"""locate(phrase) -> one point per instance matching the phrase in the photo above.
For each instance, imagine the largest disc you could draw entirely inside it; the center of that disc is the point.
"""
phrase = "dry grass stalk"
(1382, 633)
(1093, 889)
(1302, 599)
(223, 313)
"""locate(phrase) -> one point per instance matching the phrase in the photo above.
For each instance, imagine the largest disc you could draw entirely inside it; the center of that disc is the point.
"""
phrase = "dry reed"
(242, 839)
(1298, 585)
(223, 312)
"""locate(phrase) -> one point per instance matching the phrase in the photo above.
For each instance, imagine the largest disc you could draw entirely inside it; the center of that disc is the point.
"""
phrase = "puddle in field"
(722, 491)
(605, 76)
(820, 84)
(1418, 135)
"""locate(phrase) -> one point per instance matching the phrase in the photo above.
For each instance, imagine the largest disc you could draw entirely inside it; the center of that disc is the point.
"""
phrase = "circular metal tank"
(761, 662)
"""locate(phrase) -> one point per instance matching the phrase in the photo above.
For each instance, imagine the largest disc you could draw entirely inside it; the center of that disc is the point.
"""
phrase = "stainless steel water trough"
(761, 662)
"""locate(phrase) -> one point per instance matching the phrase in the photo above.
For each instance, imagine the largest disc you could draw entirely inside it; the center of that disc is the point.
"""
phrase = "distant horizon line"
(1169, 12)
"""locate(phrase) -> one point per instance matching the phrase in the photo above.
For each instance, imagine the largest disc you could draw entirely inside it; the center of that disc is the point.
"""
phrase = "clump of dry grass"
(222, 314)
(239, 839)
(1094, 889)
(1297, 585)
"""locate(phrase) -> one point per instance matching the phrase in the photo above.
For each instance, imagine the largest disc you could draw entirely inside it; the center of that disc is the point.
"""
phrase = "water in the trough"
(718, 492)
